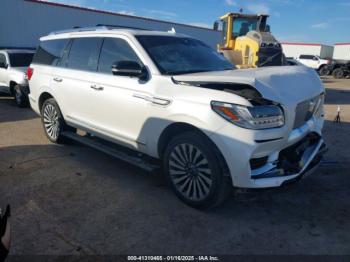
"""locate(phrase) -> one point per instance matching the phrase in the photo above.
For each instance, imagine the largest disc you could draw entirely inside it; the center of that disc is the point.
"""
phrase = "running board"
(113, 151)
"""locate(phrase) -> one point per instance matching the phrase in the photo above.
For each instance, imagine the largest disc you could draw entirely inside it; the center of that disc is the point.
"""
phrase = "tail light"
(30, 72)
(329, 62)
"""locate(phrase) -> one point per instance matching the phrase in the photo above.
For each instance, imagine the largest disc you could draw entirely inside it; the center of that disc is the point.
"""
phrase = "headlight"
(254, 117)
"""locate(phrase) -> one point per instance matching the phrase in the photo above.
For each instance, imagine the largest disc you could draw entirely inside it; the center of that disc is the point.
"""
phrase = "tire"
(323, 71)
(338, 73)
(20, 98)
(193, 166)
(53, 122)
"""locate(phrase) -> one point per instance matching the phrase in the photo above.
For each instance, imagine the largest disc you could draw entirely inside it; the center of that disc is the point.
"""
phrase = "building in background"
(25, 21)
(296, 49)
(342, 51)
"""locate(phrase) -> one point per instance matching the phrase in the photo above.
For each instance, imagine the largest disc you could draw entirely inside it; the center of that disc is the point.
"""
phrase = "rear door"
(73, 78)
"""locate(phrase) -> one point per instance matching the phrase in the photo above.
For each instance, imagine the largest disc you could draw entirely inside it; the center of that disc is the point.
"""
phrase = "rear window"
(49, 52)
(20, 59)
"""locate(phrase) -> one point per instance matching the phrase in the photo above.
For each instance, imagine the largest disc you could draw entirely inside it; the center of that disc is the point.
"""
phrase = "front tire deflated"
(195, 170)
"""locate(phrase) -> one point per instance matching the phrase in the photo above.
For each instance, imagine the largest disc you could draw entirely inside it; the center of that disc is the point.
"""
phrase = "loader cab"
(247, 41)
(236, 25)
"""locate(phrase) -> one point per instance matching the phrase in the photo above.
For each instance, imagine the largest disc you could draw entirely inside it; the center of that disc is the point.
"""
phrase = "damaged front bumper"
(295, 161)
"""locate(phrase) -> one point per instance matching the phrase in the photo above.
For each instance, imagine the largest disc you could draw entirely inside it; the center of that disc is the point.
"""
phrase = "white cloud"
(201, 25)
(124, 12)
(323, 25)
(160, 13)
(258, 8)
(231, 2)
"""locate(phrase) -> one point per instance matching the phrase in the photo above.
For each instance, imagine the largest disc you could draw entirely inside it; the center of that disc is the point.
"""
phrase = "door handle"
(56, 79)
(100, 88)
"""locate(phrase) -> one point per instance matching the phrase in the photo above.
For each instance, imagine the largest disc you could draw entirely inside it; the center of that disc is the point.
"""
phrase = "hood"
(286, 84)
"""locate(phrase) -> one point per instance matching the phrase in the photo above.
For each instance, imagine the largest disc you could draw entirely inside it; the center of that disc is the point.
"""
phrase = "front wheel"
(20, 98)
(52, 121)
(194, 168)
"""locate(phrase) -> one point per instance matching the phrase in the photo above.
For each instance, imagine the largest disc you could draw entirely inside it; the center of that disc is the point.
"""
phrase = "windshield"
(21, 59)
(182, 55)
(242, 26)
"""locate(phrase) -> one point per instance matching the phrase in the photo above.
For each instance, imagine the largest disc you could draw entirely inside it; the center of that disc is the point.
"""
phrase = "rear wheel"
(194, 169)
(20, 98)
(53, 121)
(338, 73)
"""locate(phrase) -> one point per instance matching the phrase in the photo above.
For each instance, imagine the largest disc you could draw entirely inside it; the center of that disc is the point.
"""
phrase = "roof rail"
(95, 28)
(80, 29)
(120, 26)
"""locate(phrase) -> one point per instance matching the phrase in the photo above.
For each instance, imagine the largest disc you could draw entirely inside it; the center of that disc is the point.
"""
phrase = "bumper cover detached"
(296, 161)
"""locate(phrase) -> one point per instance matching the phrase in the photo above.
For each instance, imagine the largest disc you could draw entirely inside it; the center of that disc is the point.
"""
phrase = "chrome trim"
(300, 132)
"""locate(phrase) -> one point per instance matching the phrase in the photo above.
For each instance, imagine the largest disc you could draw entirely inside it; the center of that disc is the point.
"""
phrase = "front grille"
(304, 111)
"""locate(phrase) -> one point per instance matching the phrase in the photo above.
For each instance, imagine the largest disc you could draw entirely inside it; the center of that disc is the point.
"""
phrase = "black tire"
(20, 98)
(195, 170)
(53, 122)
(324, 71)
(338, 73)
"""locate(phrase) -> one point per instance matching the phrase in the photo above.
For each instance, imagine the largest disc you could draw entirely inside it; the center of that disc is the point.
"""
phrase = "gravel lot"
(70, 200)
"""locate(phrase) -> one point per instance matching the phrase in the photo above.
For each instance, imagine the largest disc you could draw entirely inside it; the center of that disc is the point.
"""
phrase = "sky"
(312, 21)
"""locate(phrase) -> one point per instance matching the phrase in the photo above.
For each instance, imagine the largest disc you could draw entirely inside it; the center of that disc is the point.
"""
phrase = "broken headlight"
(251, 117)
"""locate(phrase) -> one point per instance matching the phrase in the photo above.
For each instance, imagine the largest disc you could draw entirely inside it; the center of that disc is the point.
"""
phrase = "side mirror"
(216, 26)
(315, 58)
(129, 68)
(3, 65)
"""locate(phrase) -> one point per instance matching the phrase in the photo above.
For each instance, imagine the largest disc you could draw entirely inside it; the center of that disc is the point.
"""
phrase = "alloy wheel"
(190, 172)
(51, 121)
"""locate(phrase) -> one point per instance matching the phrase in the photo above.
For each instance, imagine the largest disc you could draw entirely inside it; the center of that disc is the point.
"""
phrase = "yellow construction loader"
(247, 41)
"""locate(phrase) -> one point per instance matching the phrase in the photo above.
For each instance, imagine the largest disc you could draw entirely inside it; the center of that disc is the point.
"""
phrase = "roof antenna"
(173, 31)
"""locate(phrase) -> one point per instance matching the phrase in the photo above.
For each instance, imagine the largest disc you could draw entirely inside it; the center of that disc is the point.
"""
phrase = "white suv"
(315, 62)
(178, 102)
(13, 80)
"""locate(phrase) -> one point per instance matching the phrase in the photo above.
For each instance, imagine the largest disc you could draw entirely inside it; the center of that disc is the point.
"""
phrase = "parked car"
(315, 62)
(13, 80)
(179, 103)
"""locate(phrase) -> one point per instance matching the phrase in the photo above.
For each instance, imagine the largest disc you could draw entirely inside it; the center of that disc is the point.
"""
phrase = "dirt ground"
(70, 200)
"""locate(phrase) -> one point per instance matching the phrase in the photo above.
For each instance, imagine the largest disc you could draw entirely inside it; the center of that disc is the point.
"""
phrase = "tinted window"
(49, 52)
(2, 59)
(309, 57)
(20, 59)
(181, 55)
(84, 53)
(113, 51)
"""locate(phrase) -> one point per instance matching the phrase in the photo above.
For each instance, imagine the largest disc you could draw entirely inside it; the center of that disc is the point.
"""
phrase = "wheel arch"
(12, 85)
(42, 98)
(179, 128)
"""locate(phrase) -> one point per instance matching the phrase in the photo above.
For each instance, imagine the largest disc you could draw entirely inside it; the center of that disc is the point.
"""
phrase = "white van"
(181, 105)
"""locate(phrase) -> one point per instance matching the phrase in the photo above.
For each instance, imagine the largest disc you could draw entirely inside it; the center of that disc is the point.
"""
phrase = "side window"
(113, 51)
(3, 59)
(49, 52)
(84, 53)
